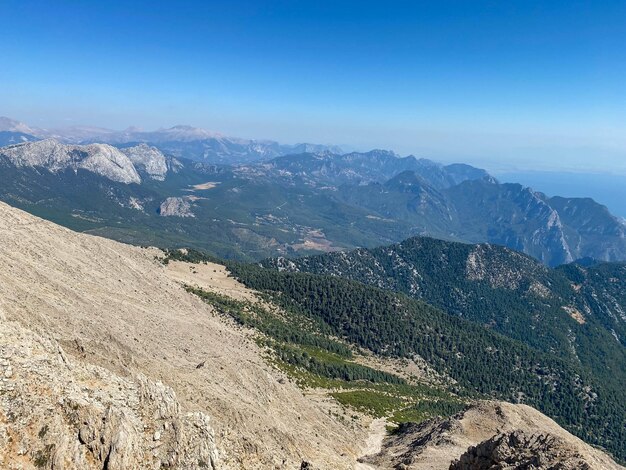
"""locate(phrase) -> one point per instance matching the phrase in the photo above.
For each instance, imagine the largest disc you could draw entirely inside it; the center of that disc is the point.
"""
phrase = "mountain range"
(180, 141)
(295, 204)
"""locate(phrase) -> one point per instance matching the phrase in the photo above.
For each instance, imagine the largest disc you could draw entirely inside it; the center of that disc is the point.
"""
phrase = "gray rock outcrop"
(176, 207)
(57, 413)
(101, 159)
(519, 451)
(149, 159)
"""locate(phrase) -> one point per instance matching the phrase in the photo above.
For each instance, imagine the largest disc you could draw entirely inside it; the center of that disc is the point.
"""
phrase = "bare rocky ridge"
(489, 435)
(101, 159)
(112, 306)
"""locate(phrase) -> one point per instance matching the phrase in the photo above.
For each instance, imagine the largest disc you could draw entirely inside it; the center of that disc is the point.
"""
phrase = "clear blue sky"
(534, 83)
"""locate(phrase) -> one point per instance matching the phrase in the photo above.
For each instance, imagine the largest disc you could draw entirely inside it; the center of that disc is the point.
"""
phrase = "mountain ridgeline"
(572, 311)
(180, 141)
(292, 205)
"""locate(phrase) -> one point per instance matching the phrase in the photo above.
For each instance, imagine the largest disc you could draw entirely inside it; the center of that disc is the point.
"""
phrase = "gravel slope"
(114, 306)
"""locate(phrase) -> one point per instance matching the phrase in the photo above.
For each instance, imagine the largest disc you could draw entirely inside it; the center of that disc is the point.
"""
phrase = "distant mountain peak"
(11, 125)
(187, 132)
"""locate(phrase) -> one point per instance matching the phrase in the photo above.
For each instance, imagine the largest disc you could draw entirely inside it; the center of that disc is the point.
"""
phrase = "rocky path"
(373, 443)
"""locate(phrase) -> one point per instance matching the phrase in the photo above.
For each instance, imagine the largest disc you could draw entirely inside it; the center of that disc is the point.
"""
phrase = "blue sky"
(506, 84)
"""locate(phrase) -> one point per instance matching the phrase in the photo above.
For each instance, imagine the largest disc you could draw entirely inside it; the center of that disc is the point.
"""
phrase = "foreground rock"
(489, 436)
(60, 414)
(517, 450)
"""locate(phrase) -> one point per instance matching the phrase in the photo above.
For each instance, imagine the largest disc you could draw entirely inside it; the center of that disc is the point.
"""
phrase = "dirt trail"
(373, 443)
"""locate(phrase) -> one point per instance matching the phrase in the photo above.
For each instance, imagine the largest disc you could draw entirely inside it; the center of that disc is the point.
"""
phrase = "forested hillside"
(572, 312)
(481, 361)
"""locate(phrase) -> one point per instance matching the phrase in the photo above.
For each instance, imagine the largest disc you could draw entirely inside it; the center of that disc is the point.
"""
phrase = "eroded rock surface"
(176, 207)
(490, 435)
(519, 451)
(57, 413)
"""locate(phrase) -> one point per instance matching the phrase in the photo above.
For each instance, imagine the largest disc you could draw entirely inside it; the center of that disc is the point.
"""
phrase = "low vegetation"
(314, 359)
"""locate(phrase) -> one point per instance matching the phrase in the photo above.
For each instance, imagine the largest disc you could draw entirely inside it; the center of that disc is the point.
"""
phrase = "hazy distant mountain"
(14, 132)
(11, 125)
(179, 141)
(327, 168)
(301, 203)
(10, 138)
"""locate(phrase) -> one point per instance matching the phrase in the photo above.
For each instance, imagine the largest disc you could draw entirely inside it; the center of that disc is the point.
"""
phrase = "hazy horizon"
(499, 85)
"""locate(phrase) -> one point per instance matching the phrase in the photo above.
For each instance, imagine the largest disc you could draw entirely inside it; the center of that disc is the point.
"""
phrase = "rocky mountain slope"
(108, 362)
(95, 317)
(124, 165)
(489, 435)
(100, 159)
(59, 412)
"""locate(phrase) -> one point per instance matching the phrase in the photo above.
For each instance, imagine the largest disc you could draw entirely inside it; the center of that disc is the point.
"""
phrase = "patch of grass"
(371, 402)
(426, 409)
(401, 404)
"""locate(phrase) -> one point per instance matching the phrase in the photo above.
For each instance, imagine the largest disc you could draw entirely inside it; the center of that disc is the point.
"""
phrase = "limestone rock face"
(56, 413)
(101, 159)
(150, 159)
(176, 207)
(518, 450)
